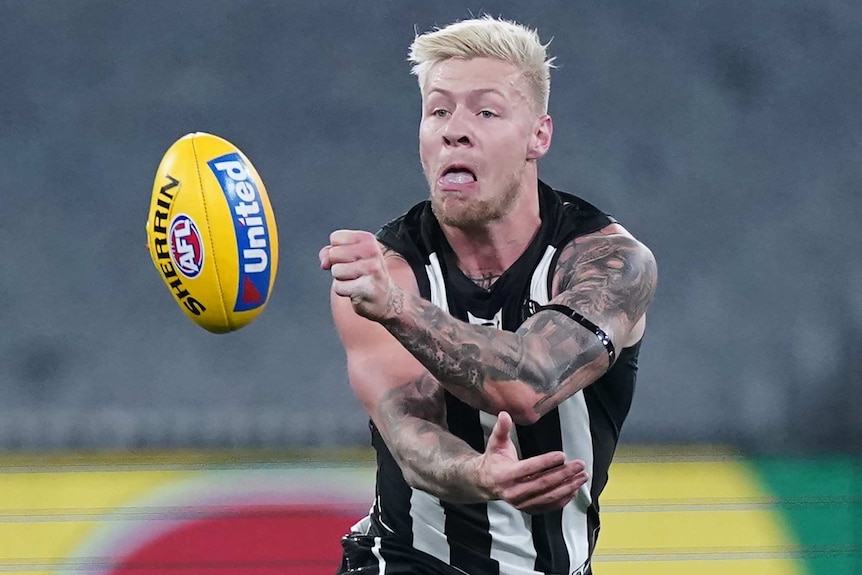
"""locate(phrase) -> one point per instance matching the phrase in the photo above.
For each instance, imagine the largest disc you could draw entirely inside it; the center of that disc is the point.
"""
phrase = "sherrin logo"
(187, 249)
(162, 247)
(250, 228)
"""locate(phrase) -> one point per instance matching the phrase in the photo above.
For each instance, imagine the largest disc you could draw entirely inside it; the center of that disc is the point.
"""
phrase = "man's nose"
(457, 131)
(451, 140)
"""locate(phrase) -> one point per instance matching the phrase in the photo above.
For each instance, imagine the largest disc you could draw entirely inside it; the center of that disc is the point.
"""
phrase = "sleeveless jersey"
(494, 538)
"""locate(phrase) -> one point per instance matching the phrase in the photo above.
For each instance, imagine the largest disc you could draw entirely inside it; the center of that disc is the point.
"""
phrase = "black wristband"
(567, 311)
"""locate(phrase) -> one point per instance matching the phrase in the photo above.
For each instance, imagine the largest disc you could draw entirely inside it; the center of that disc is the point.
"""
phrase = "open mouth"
(458, 174)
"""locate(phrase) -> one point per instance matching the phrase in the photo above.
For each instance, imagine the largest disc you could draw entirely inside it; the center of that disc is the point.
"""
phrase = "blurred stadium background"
(726, 135)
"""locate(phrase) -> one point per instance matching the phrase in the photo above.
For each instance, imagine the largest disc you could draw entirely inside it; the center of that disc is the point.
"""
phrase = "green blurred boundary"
(821, 500)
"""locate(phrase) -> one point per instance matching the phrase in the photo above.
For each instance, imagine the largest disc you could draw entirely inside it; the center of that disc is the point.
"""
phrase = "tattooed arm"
(608, 277)
(407, 405)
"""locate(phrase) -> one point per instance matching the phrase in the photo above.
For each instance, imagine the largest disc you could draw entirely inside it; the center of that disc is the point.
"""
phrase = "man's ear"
(540, 140)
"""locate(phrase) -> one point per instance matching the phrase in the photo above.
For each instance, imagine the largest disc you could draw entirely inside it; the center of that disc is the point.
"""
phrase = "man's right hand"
(538, 484)
(359, 272)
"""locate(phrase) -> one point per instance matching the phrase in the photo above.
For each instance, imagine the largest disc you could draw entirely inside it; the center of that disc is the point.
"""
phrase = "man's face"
(478, 132)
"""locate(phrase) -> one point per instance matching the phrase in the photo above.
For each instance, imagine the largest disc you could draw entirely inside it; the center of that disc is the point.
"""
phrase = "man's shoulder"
(407, 234)
(588, 227)
(569, 216)
(411, 220)
(572, 204)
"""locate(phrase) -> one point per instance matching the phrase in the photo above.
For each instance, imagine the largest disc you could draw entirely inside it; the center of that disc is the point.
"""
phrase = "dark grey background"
(725, 135)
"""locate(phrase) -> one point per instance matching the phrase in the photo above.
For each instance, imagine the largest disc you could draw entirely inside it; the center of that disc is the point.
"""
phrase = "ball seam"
(209, 233)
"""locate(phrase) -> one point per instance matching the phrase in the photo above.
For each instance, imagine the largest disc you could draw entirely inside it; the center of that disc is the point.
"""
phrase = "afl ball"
(211, 232)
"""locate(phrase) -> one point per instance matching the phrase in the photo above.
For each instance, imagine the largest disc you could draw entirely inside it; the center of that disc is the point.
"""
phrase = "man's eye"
(440, 113)
(487, 114)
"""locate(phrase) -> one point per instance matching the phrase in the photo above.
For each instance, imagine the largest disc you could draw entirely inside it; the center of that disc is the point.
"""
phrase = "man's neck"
(483, 254)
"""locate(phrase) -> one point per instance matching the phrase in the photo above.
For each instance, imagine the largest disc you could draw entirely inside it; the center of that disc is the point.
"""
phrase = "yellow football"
(211, 232)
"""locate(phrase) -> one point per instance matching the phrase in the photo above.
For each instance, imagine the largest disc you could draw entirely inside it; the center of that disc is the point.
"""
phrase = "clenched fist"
(355, 260)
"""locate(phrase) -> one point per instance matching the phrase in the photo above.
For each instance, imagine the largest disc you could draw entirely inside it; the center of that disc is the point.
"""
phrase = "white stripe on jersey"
(511, 533)
(427, 514)
(577, 441)
(539, 282)
(429, 525)
(381, 562)
(577, 444)
(438, 285)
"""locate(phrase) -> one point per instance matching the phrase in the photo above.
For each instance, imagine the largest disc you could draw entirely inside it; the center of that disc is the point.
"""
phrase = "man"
(492, 333)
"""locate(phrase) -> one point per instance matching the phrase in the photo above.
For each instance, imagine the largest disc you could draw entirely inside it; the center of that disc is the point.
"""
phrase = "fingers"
(553, 498)
(351, 237)
(534, 467)
(352, 270)
(347, 246)
(352, 288)
(338, 260)
(323, 256)
(504, 422)
(499, 437)
(546, 489)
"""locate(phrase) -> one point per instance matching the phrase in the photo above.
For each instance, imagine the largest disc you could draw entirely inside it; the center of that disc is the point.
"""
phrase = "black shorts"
(362, 556)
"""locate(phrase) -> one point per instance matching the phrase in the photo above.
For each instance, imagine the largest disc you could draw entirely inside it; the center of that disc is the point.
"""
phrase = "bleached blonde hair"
(487, 37)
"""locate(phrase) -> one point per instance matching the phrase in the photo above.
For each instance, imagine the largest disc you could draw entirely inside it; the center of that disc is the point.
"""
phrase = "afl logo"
(187, 249)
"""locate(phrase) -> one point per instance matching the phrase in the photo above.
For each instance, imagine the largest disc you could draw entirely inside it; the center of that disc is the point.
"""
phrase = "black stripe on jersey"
(392, 489)
(608, 401)
(467, 527)
(541, 437)
(469, 548)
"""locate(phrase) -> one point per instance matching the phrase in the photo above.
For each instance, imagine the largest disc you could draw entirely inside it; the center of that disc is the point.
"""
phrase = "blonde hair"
(491, 38)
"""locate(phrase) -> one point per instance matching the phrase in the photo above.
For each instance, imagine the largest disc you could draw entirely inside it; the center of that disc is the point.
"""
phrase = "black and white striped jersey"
(495, 538)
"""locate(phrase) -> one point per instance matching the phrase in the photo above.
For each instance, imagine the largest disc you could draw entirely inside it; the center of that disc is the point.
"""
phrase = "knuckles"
(355, 269)
(343, 253)
(351, 237)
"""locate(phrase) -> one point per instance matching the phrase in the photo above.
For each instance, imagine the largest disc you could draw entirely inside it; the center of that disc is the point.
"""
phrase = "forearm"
(491, 369)
(411, 419)
(437, 462)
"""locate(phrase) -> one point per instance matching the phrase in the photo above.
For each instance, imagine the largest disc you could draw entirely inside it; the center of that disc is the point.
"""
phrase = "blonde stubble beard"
(477, 214)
